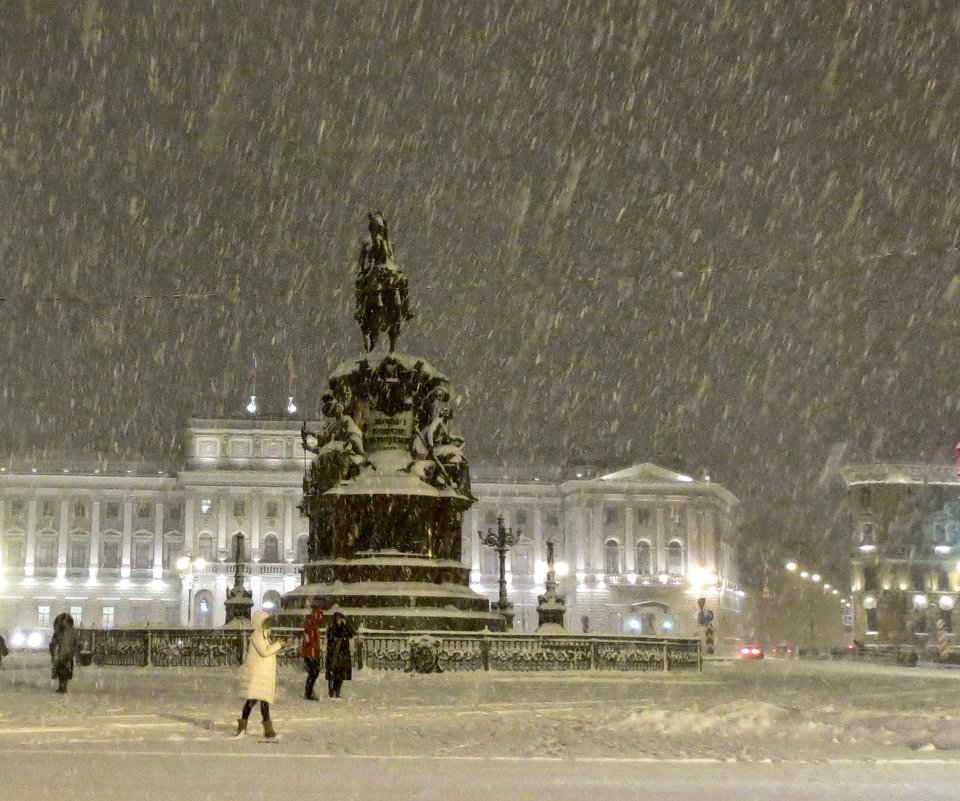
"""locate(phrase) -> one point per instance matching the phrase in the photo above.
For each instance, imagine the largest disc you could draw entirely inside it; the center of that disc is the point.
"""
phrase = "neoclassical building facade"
(904, 546)
(132, 545)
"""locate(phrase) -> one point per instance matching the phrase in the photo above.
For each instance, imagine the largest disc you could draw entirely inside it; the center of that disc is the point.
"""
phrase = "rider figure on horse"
(381, 286)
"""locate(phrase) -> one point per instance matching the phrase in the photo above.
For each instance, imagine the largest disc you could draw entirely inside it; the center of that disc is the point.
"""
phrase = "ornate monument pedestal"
(389, 482)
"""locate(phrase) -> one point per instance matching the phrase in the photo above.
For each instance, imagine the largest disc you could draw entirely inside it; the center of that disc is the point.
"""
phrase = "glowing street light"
(791, 566)
(252, 406)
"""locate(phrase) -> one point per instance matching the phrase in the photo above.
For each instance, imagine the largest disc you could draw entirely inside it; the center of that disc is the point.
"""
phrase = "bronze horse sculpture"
(381, 288)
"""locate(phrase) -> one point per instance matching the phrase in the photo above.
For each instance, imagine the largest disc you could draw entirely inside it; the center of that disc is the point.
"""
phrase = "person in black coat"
(63, 648)
(338, 663)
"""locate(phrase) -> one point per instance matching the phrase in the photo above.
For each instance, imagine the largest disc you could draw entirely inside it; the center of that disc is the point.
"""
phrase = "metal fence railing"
(422, 652)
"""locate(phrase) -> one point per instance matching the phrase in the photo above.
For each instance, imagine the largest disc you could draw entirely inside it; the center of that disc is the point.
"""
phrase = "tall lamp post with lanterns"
(501, 539)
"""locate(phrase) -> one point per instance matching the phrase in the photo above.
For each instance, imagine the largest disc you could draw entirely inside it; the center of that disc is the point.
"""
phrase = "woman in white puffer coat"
(260, 673)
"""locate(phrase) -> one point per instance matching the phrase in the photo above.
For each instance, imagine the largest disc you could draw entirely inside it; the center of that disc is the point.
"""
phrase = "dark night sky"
(632, 230)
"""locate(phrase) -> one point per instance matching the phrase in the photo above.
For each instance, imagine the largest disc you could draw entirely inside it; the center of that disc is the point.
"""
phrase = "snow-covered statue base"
(386, 491)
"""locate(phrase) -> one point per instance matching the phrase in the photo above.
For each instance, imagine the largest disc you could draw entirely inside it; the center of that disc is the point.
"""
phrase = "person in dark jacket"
(311, 651)
(338, 654)
(63, 648)
(4, 651)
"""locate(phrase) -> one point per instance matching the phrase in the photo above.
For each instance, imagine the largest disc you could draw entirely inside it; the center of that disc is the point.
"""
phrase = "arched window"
(675, 558)
(203, 609)
(270, 549)
(303, 548)
(205, 546)
(644, 559)
(271, 601)
(611, 557)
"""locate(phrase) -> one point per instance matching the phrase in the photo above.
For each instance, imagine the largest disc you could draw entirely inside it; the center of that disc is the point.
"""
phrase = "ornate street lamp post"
(239, 601)
(501, 540)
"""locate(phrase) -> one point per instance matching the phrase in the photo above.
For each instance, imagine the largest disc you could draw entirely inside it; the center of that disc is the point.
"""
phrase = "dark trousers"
(313, 671)
(251, 703)
(333, 687)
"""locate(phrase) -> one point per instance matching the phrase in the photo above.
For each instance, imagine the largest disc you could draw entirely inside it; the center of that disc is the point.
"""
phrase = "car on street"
(784, 651)
(751, 652)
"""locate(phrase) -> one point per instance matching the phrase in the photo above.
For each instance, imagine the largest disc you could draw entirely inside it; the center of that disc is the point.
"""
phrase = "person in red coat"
(311, 652)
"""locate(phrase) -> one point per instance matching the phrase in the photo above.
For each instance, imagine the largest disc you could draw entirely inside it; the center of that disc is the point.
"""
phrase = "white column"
(31, 537)
(62, 541)
(580, 536)
(597, 538)
(158, 540)
(630, 549)
(710, 538)
(255, 524)
(661, 539)
(539, 551)
(94, 539)
(189, 537)
(473, 526)
(185, 599)
(127, 538)
(694, 550)
(222, 539)
(287, 526)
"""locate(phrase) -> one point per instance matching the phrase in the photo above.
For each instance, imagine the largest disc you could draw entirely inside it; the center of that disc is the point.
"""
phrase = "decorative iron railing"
(403, 651)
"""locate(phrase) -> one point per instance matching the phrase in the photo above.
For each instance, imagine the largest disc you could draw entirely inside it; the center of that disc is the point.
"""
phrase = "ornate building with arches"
(132, 545)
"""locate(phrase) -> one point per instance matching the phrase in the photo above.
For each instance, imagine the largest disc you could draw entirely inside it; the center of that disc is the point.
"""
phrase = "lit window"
(206, 506)
(106, 618)
(76, 612)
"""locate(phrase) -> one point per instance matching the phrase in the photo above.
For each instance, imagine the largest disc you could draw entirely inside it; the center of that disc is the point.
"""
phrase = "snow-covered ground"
(842, 718)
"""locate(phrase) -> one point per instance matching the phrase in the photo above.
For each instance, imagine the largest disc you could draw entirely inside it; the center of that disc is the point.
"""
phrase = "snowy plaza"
(785, 729)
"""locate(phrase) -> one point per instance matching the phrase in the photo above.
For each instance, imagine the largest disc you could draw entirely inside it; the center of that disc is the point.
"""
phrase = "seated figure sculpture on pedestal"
(339, 448)
(438, 457)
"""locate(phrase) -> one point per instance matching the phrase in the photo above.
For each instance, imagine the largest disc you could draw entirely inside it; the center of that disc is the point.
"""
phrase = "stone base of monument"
(392, 591)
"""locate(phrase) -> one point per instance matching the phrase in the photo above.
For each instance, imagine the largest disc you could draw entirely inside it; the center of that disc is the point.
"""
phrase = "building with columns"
(904, 551)
(153, 544)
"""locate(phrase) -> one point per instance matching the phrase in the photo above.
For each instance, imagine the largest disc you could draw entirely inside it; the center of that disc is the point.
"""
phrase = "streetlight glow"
(791, 566)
